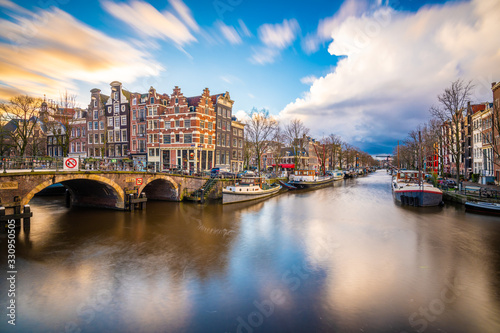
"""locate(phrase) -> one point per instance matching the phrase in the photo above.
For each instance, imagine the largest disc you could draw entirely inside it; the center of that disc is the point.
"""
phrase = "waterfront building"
(237, 138)
(477, 138)
(96, 125)
(487, 173)
(223, 118)
(495, 88)
(157, 128)
(138, 125)
(117, 122)
(78, 137)
(189, 132)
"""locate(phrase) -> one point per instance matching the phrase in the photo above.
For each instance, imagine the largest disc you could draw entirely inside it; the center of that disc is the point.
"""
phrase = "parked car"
(222, 173)
(246, 173)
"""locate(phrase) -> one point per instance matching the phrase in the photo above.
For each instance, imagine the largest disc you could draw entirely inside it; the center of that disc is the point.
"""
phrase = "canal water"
(339, 259)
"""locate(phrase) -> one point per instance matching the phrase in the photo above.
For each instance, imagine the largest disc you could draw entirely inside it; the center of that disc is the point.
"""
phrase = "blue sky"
(365, 70)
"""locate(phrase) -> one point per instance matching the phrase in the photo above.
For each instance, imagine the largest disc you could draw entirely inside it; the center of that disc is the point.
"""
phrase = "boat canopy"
(285, 166)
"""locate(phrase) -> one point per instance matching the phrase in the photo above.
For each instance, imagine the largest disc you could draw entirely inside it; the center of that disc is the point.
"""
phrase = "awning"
(285, 166)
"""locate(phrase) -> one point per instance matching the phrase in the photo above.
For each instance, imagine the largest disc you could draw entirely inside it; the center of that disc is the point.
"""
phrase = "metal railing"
(475, 191)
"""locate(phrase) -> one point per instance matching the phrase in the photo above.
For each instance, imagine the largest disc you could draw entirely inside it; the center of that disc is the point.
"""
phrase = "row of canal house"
(165, 131)
(480, 142)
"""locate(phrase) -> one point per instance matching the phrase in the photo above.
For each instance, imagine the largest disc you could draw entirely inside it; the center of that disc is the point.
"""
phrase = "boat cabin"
(304, 175)
(407, 176)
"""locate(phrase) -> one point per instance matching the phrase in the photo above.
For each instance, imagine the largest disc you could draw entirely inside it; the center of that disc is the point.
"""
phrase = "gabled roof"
(193, 101)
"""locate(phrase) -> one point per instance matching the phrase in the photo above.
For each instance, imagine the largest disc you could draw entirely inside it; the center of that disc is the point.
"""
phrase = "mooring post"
(27, 220)
(202, 198)
(143, 204)
(68, 199)
(17, 209)
(130, 203)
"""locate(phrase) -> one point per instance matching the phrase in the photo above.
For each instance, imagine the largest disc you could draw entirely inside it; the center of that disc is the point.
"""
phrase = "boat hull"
(301, 185)
(483, 208)
(229, 197)
(418, 198)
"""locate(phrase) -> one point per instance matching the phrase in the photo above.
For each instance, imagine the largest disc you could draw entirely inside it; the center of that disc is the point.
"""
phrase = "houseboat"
(408, 189)
(247, 189)
(303, 179)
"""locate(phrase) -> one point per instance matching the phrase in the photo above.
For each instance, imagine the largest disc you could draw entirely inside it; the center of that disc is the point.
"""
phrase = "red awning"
(287, 166)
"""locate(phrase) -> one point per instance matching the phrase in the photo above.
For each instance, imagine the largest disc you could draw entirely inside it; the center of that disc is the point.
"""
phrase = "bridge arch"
(98, 190)
(161, 187)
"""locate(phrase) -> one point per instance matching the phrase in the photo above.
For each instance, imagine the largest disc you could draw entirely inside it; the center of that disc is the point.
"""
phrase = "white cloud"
(278, 35)
(275, 38)
(309, 79)
(148, 21)
(229, 33)
(396, 64)
(58, 50)
(264, 55)
(349, 8)
(243, 29)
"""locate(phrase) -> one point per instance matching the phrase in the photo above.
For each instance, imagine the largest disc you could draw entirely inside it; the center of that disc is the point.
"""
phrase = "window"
(223, 125)
(101, 125)
(151, 152)
(235, 143)
(117, 121)
(124, 135)
(124, 120)
(177, 123)
(167, 124)
(117, 136)
(188, 138)
(210, 126)
(117, 108)
(176, 101)
(134, 130)
(152, 100)
(209, 139)
(155, 111)
(218, 123)
(96, 114)
(123, 108)
(235, 132)
(176, 109)
(223, 140)
(155, 124)
(240, 143)
(95, 103)
(202, 123)
(235, 154)
(110, 136)
(90, 126)
(219, 112)
(187, 123)
(202, 138)
(217, 158)
(110, 121)
(134, 114)
(134, 101)
(96, 125)
(96, 138)
(241, 132)
(166, 138)
(218, 139)
(224, 113)
(206, 109)
(102, 137)
(90, 138)
(228, 140)
(177, 138)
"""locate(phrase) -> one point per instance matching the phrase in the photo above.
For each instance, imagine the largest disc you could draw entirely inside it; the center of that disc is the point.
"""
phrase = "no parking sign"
(70, 164)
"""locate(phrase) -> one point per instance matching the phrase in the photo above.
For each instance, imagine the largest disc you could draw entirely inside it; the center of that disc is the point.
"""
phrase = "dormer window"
(152, 100)
(176, 101)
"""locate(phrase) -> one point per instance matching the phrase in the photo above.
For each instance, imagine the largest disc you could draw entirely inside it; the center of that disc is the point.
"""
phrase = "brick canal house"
(237, 137)
(495, 88)
(138, 126)
(156, 110)
(96, 120)
(117, 122)
(223, 118)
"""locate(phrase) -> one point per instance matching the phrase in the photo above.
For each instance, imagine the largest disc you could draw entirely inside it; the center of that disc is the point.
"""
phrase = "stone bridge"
(96, 188)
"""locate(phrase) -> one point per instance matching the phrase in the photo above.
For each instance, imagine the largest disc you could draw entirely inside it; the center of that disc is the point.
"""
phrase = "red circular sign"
(71, 163)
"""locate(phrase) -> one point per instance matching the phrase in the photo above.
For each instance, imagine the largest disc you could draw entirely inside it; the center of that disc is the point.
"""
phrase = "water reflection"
(343, 258)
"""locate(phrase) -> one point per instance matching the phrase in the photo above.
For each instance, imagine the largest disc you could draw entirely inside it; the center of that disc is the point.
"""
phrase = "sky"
(366, 70)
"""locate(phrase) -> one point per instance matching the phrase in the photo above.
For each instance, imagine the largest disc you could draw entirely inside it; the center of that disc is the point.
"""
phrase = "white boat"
(336, 174)
(247, 189)
(408, 190)
(483, 208)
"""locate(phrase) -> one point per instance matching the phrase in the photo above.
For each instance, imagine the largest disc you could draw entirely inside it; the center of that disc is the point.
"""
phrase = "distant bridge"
(97, 188)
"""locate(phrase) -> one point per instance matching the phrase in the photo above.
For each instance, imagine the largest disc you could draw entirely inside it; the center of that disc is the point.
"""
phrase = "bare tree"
(295, 131)
(276, 146)
(453, 103)
(61, 123)
(260, 129)
(334, 144)
(23, 110)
